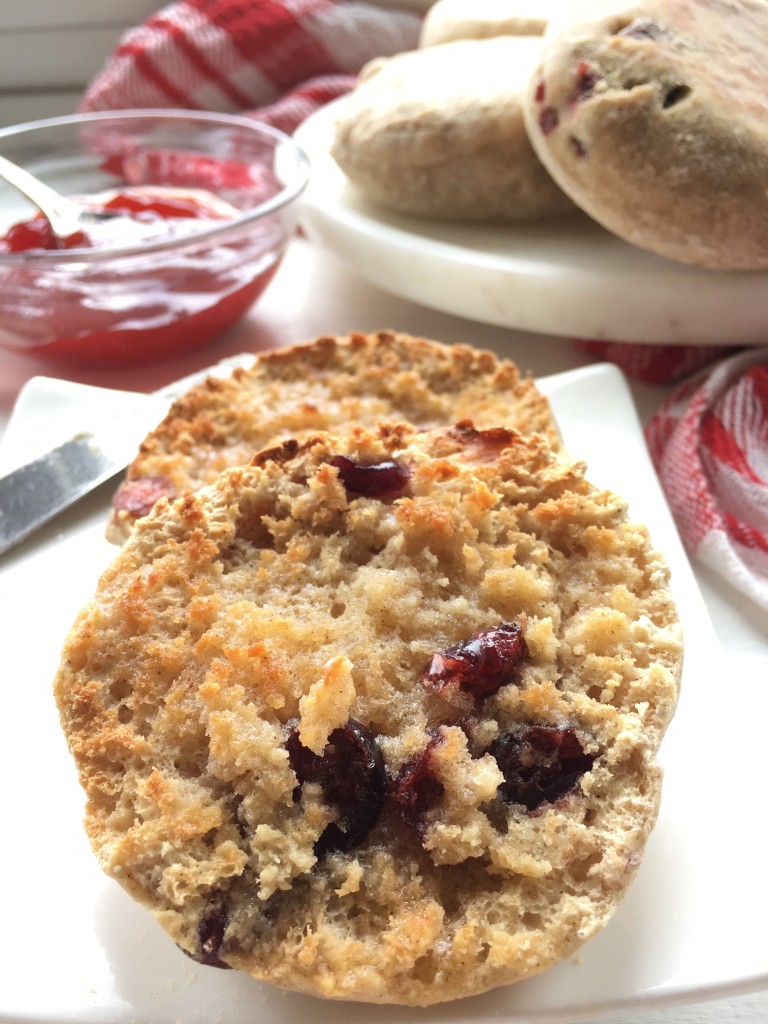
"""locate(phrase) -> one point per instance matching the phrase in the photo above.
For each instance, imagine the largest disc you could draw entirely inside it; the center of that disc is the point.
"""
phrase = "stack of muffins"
(647, 115)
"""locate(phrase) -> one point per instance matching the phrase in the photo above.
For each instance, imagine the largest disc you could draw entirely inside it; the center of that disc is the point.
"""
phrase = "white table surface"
(314, 294)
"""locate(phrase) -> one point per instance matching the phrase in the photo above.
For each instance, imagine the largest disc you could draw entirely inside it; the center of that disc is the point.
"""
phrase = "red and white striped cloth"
(656, 364)
(709, 443)
(279, 60)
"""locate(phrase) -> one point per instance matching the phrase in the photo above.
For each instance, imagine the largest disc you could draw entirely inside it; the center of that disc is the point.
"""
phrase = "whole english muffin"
(329, 384)
(447, 20)
(376, 717)
(653, 117)
(439, 132)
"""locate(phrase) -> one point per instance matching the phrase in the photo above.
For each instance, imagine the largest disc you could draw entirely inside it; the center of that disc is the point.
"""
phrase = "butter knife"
(36, 492)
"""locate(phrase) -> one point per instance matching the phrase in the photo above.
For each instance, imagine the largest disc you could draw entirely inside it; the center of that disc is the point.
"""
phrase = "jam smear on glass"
(146, 217)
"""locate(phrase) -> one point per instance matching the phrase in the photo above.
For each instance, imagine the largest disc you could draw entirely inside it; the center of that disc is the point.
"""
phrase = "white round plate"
(565, 277)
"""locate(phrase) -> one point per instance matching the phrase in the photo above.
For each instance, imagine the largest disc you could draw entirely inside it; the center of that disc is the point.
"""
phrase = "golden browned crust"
(329, 384)
(245, 628)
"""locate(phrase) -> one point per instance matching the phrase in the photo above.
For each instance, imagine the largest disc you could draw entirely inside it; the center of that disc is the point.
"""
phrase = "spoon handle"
(62, 214)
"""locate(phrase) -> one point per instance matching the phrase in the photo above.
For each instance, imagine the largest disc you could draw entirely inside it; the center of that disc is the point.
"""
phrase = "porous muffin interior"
(283, 759)
(328, 384)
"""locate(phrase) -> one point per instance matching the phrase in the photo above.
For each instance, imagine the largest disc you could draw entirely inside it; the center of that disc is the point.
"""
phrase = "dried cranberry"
(578, 148)
(481, 664)
(416, 789)
(210, 934)
(137, 497)
(541, 91)
(586, 80)
(376, 480)
(549, 119)
(540, 764)
(352, 776)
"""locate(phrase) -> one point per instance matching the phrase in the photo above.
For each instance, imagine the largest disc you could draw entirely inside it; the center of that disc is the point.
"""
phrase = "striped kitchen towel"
(278, 59)
(709, 443)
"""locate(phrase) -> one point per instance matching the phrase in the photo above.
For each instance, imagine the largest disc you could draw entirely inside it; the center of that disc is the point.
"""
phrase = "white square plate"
(74, 947)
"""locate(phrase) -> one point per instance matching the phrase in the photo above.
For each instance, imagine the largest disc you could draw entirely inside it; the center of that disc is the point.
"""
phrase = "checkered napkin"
(709, 442)
(279, 60)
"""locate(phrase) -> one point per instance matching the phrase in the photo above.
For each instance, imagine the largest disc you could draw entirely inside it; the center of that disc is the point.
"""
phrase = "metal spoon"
(64, 215)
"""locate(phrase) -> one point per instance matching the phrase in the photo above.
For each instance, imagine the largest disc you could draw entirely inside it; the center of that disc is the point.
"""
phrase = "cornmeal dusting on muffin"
(651, 117)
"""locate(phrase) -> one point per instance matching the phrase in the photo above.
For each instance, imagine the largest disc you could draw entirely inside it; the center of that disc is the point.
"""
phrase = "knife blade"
(36, 492)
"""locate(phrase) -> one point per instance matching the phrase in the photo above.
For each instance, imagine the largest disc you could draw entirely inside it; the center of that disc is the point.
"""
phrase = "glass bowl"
(114, 300)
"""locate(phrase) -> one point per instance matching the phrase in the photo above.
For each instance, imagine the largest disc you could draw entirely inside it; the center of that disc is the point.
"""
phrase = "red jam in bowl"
(105, 309)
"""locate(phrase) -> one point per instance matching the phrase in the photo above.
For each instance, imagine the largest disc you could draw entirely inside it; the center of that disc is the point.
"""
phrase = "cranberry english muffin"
(439, 133)
(326, 385)
(447, 20)
(376, 717)
(653, 117)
